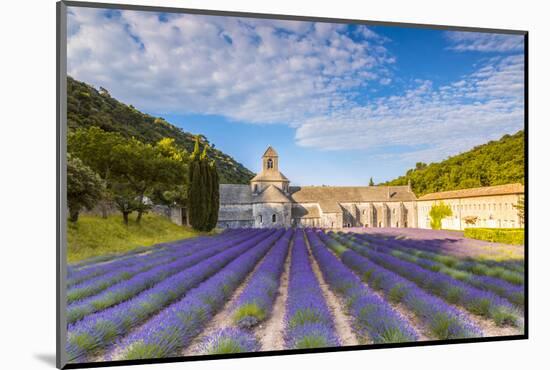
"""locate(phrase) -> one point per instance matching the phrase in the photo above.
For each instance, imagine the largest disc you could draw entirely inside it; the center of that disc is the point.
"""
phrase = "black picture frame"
(61, 216)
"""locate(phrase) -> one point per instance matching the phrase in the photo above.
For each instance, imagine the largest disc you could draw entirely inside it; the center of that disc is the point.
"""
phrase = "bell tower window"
(269, 163)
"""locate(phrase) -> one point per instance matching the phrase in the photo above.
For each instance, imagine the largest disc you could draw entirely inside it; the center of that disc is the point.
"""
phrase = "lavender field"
(249, 290)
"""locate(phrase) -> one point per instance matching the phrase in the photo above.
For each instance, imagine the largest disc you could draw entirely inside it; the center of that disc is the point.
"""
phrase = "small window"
(274, 218)
(255, 188)
(261, 220)
(270, 163)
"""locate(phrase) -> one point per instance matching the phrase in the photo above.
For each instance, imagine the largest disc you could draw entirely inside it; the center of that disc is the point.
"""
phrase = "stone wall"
(264, 212)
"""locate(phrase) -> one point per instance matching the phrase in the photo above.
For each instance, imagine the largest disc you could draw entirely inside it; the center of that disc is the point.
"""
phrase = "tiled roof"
(271, 194)
(343, 194)
(305, 211)
(476, 192)
(235, 194)
(270, 175)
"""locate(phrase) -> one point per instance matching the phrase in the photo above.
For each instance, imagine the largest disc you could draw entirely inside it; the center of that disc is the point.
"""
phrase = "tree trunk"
(125, 217)
(138, 218)
(103, 206)
(73, 215)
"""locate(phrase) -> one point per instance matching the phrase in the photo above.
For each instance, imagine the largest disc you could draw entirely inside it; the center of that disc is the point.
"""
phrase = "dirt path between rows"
(271, 332)
(223, 318)
(342, 322)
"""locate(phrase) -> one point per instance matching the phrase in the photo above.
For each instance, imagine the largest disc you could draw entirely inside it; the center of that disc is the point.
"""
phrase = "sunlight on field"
(94, 236)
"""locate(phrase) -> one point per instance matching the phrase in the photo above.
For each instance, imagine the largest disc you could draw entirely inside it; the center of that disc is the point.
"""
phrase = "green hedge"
(507, 236)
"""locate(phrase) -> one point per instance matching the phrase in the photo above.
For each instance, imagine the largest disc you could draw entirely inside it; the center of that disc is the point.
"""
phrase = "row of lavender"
(441, 319)
(512, 292)
(416, 248)
(126, 289)
(170, 331)
(76, 275)
(99, 330)
(253, 306)
(457, 256)
(477, 301)
(373, 318)
(112, 274)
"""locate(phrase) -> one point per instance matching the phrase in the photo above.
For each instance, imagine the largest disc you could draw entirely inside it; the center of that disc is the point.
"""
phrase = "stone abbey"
(270, 201)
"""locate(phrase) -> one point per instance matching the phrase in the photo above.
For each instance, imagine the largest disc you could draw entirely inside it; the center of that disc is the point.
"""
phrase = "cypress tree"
(215, 201)
(204, 197)
(195, 189)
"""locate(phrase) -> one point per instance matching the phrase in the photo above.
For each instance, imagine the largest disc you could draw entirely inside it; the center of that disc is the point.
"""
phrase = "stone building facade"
(491, 206)
(270, 201)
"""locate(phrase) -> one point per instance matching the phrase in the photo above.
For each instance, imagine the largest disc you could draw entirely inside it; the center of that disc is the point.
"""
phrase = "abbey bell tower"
(270, 174)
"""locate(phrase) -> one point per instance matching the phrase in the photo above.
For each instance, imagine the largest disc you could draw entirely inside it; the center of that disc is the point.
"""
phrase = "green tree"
(84, 187)
(437, 213)
(95, 148)
(203, 190)
(371, 182)
(215, 196)
(131, 169)
(520, 207)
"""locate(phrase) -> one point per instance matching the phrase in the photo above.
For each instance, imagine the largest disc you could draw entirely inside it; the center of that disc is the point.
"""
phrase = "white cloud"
(258, 71)
(430, 123)
(306, 75)
(484, 42)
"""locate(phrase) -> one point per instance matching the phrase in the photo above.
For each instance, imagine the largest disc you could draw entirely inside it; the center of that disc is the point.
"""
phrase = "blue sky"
(340, 103)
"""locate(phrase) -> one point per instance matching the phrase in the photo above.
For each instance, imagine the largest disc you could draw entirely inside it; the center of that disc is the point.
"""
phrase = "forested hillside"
(89, 107)
(495, 163)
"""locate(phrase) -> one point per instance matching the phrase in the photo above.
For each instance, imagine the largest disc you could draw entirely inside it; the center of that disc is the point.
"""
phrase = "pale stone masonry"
(270, 201)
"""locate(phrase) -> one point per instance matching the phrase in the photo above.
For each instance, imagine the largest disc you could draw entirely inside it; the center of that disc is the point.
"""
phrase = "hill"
(87, 107)
(494, 163)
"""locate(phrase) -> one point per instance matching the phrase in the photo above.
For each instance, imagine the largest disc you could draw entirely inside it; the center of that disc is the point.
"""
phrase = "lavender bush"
(140, 282)
(512, 292)
(372, 316)
(174, 328)
(443, 320)
(97, 331)
(477, 301)
(308, 322)
(417, 249)
(256, 301)
(230, 340)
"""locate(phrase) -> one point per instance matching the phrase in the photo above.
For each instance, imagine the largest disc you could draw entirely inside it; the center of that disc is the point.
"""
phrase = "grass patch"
(247, 311)
(311, 341)
(505, 236)
(94, 236)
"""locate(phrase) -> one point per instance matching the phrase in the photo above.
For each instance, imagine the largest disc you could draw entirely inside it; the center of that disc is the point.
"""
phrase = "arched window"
(255, 188)
(270, 163)
(261, 220)
(274, 218)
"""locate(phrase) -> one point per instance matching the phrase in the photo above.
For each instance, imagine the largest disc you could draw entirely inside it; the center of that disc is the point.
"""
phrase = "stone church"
(270, 201)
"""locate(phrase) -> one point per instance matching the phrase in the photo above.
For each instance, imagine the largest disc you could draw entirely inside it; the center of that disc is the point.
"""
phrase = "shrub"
(506, 236)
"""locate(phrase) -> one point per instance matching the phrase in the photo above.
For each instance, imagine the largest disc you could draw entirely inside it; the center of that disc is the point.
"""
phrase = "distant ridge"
(87, 106)
(494, 163)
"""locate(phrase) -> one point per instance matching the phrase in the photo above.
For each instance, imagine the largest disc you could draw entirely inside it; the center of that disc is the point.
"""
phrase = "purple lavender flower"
(372, 316)
(97, 331)
(174, 328)
(256, 301)
(230, 340)
(308, 321)
(475, 300)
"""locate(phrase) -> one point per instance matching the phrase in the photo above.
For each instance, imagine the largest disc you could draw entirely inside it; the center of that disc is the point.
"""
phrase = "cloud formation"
(310, 76)
(484, 42)
(258, 71)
